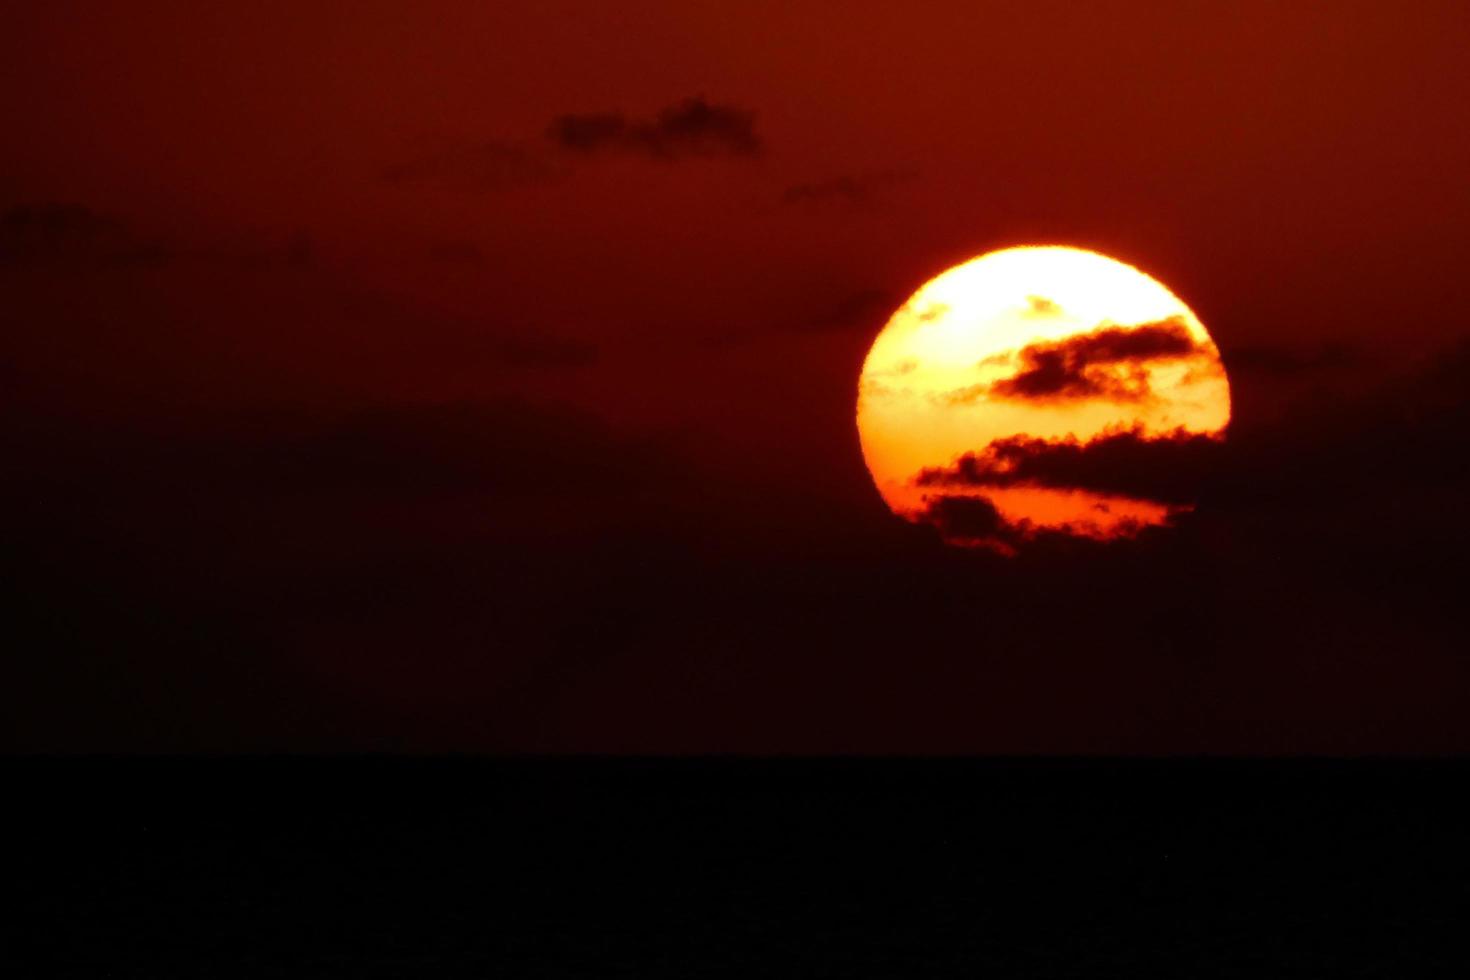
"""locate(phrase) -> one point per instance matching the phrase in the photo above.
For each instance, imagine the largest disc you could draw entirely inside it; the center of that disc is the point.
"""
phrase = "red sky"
(257, 256)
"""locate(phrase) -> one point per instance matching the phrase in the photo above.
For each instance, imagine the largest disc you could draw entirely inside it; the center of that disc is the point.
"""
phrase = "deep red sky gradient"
(325, 363)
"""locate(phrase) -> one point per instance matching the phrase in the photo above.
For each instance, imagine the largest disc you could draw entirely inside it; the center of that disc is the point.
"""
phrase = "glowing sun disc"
(1039, 389)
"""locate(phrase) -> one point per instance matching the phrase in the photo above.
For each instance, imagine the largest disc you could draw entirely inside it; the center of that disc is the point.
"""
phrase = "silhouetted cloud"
(490, 166)
(694, 127)
(1171, 468)
(1087, 365)
(851, 190)
(965, 518)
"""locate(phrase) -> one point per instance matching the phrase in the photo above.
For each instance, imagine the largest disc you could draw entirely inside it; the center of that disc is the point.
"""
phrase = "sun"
(1041, 390)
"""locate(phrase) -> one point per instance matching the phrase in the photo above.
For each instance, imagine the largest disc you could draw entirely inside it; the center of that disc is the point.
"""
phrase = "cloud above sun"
(694, 128)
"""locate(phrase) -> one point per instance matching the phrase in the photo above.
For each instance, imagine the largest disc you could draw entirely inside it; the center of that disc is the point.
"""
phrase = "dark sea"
(590, 868)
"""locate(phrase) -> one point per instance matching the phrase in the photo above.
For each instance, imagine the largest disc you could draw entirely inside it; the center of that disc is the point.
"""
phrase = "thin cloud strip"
(692, 128)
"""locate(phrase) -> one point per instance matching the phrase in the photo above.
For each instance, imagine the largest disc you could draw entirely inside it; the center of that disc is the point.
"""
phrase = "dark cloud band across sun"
(1105, 364)
(1168, 469)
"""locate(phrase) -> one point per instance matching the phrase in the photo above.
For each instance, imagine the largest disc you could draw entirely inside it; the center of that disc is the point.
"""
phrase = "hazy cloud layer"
(499, 449)
(400, 339)
(372, 553)
(68, 234)
(865, 308)
(1285, 362)
(538, 351)
(455, 251)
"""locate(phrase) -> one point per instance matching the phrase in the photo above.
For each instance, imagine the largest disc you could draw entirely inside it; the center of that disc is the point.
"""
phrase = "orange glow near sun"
(1036, 389)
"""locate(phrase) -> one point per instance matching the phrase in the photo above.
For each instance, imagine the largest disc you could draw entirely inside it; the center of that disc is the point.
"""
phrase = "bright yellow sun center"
(1041, 350)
